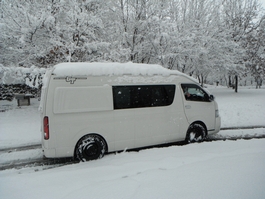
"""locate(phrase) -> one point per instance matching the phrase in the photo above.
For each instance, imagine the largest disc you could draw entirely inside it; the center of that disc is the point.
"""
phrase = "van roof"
(111, 68)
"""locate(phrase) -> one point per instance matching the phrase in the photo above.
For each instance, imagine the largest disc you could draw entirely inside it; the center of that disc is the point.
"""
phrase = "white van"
(89, 109)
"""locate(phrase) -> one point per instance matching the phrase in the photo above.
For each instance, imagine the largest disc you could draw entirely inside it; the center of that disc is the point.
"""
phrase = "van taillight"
(46, 128)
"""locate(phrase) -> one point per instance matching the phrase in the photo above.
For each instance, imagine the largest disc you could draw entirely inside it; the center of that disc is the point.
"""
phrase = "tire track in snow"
(46, 163)
(242, 127)
(20, 148)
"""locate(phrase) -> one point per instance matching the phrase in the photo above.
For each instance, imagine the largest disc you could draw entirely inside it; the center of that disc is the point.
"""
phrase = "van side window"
(141, 96)
(194, 92)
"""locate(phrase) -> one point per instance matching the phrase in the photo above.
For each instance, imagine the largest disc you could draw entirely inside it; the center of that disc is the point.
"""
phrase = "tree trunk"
(202, 80)
(229, 81)
(199, 78)
(236, 83)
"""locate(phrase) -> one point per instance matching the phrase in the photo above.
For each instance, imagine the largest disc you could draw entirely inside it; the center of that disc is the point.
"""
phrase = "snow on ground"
(220, 169)
(223, 169)
(19, 126)
(9, 158)
(244, 108)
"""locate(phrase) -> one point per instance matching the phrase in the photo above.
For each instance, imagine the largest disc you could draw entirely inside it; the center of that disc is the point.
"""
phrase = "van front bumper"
(217, 126)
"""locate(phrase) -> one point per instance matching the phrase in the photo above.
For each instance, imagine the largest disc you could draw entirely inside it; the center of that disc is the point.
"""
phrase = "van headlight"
(217, 113)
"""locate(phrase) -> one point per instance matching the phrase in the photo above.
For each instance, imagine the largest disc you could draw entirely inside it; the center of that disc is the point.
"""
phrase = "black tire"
(90, 147)
(196, 133)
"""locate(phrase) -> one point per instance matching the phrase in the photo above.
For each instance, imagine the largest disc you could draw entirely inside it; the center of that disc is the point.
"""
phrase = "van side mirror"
(211, 98)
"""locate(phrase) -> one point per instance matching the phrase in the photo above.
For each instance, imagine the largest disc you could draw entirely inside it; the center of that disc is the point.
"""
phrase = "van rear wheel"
(196, 133)
(90, 147)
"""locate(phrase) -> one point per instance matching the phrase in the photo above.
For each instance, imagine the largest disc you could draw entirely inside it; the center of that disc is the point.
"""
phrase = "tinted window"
(142, 96)
(194, 92)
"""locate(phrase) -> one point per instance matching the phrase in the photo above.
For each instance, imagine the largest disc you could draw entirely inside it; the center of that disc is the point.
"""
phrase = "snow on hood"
(101, 69)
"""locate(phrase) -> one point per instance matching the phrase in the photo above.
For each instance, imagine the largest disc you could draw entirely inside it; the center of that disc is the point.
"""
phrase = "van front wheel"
(90, 147)
(196, 133)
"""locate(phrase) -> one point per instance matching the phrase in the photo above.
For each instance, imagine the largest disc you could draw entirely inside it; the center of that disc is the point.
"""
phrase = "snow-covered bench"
(23, 99)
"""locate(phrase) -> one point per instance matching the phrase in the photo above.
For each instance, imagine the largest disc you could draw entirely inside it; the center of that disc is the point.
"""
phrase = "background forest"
(213, 40)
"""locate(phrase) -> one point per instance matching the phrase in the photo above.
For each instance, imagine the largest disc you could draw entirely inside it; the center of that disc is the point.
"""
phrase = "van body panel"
(200, 111)
(79, 101)
(124, 128)
(92, 98)
(153, 126)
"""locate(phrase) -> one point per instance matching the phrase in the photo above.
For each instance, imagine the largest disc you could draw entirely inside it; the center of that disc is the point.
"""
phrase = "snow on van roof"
(111, 68)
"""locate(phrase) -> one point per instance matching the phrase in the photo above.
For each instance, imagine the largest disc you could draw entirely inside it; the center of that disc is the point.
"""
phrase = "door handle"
(188, 106)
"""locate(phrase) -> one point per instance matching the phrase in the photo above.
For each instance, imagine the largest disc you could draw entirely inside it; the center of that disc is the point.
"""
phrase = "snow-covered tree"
(22, 35)
(255, 51)
(47, 32)
(242, 18)
(199, 37)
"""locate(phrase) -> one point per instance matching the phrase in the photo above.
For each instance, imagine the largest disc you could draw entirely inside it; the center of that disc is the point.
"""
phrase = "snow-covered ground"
(19, 126)
(220, 169)
(244, 108)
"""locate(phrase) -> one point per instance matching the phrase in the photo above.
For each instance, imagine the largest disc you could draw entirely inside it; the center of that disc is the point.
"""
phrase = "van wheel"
(196, 133)
(90, 147)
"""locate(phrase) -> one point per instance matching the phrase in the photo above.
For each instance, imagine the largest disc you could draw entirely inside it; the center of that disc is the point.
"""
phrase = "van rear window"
(141, 96)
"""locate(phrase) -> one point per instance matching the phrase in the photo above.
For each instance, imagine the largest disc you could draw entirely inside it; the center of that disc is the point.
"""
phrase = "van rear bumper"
(58, 153)
(48, 153)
